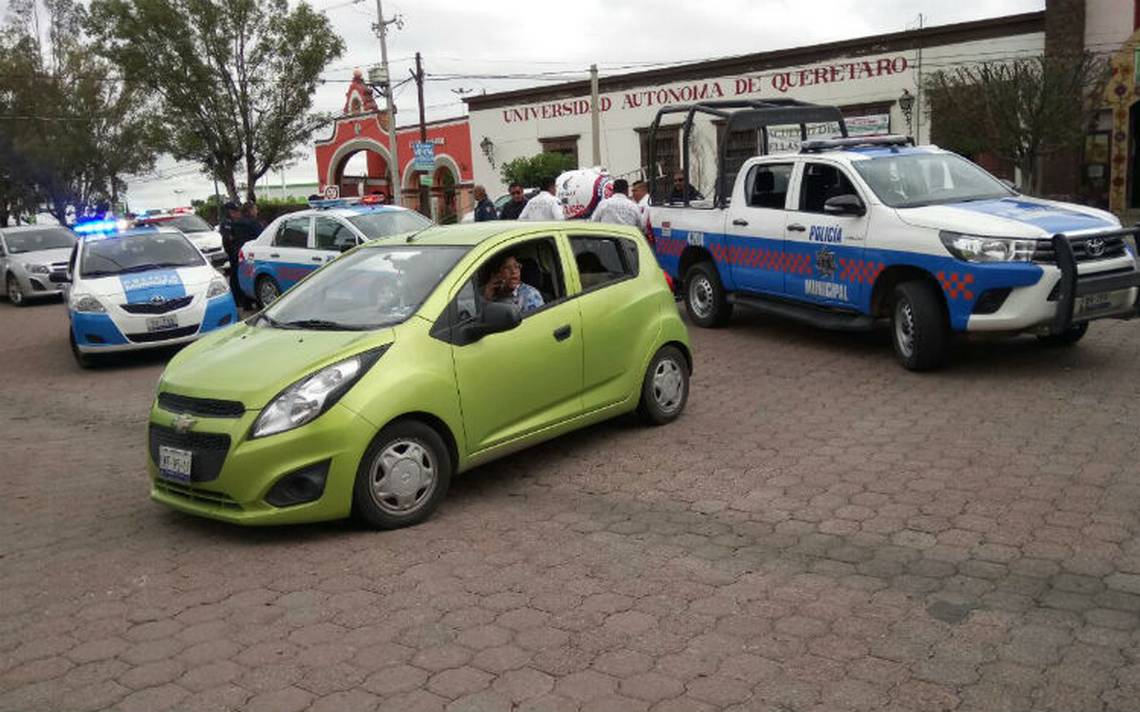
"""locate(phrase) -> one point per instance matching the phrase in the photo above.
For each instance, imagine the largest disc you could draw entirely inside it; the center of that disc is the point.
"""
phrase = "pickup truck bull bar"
(737, 115)
(1073, 284)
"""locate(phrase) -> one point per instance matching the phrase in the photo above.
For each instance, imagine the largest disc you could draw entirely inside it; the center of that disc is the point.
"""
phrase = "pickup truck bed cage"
(738, 115)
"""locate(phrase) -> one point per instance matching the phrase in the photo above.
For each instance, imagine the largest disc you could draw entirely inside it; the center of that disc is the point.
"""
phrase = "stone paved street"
(820, 531)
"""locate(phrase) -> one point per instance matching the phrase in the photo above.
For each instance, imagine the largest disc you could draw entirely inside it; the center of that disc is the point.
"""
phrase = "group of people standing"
(620, 208)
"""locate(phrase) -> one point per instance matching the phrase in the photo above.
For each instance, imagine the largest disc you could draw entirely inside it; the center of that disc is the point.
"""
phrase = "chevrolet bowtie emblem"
(184, 422)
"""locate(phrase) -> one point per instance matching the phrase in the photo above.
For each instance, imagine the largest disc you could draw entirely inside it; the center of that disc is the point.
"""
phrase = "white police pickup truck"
(851, 231)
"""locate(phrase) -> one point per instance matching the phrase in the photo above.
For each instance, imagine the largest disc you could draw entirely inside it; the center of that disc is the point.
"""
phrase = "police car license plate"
(161, 323)
(174, 464)
(1096, 304)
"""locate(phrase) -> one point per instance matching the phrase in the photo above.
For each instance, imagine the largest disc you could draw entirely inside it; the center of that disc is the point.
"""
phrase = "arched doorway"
(360, 167)
(446, 208)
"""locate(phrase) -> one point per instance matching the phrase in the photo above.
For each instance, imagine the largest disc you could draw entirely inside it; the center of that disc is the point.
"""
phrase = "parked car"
(297, 243)
(365, 388)
(33, 261)
(139, 289)
(201, 234)
(853, 231)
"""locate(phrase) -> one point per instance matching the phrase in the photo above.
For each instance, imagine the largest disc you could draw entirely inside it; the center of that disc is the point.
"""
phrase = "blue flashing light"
(94, 227)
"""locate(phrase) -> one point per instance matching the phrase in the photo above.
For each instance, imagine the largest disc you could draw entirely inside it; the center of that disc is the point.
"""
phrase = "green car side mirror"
(496, 317)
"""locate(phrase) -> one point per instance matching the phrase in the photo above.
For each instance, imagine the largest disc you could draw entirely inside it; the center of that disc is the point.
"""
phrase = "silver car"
(33, 261)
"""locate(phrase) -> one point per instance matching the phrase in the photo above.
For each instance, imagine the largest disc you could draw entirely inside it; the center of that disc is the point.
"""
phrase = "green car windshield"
(367, 289)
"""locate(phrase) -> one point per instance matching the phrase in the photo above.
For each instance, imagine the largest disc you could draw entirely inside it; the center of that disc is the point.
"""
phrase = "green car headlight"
(306, 399)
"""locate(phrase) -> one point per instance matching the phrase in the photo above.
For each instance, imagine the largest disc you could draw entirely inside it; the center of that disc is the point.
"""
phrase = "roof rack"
(738, 115)
(825, 144)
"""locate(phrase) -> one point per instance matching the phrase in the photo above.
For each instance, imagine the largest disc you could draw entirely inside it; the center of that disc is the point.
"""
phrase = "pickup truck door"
(755, 228)
(824, 252)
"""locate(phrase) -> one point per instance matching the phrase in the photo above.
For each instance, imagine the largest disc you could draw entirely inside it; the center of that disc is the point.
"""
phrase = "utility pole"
(394, 161)
(918, 90)
(425, 192)
(595, 119)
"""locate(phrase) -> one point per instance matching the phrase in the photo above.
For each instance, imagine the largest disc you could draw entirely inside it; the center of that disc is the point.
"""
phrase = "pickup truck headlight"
(38, 269)
(86, 303)
(218, 287)
(978, 248)
(303, 401)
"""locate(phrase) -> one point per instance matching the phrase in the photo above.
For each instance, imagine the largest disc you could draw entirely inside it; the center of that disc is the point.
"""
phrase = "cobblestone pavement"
(820, 531)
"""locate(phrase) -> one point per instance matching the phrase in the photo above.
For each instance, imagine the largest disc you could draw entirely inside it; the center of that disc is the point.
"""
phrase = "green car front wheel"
(402, 477)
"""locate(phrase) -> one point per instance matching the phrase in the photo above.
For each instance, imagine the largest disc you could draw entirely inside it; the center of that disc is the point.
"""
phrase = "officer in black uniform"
(234, 232)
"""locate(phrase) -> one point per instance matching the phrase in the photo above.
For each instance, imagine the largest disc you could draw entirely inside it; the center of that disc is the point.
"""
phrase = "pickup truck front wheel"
(919, 331)
(705, 298)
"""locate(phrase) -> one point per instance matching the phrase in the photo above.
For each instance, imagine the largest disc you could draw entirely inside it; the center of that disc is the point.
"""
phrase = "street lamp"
(488, 147)
(906, 103)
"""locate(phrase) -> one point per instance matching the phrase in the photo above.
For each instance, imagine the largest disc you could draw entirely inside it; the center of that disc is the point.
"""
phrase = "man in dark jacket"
(515, 205)
(484, 208)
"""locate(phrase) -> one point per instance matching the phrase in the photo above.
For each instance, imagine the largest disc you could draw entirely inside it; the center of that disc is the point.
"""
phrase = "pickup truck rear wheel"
(705, 298)
(919, 329)
(1075, 333)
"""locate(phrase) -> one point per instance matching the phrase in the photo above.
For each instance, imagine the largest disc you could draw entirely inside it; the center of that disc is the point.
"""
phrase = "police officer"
(236, 232)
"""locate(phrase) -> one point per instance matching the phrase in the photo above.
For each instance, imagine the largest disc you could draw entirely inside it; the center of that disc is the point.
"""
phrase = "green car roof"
(471, 234)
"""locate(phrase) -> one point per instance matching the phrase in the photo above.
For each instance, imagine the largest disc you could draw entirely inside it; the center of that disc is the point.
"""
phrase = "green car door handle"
(562, 333)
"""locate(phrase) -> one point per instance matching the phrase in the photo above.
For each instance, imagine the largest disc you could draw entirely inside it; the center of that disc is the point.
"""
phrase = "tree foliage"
(532, 171)
(69, 130)
(1020, 110)
(235, 78)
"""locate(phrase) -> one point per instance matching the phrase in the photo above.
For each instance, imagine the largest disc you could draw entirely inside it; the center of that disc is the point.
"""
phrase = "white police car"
(201, 235)
(851, 231)
(297, 243)
(139, 289)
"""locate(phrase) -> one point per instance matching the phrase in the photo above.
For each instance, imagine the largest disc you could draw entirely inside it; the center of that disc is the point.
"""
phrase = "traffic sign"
(332, 192)
(424, 152)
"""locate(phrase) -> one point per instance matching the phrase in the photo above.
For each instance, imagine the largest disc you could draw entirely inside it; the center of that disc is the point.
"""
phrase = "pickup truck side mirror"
(846, 204)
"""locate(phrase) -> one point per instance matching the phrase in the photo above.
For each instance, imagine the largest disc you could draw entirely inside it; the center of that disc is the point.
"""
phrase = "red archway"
(364, 128)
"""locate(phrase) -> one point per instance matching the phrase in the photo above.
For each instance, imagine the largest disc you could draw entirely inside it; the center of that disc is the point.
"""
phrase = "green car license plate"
(174, 464)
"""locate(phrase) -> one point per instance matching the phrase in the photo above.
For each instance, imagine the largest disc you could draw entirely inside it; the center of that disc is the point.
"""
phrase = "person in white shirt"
(640, 194)
(544, 206)
(618, 208)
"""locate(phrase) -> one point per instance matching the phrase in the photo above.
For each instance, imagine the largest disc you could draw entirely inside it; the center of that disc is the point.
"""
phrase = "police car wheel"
(81, 359)
(267, 291)
(919, 330)
(1075, 333)
(15, 294)
(665, 388)
(403, 476)
(705, 298)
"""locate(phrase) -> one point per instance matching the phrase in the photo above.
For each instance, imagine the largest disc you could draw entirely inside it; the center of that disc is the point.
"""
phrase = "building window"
(566, 145)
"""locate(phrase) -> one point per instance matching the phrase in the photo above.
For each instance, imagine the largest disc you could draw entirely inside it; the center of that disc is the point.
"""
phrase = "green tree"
(1020, 110)
(235, 78)
(70, 129)
(531, 172)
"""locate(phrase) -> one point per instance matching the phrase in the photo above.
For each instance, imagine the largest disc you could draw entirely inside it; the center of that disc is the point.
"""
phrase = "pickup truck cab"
(849, 232)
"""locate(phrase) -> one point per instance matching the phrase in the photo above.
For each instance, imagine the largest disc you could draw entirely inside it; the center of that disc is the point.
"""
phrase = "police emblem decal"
(825, 263)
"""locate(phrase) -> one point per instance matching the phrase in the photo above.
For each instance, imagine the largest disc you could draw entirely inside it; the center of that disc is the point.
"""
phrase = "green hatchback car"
(365, 387)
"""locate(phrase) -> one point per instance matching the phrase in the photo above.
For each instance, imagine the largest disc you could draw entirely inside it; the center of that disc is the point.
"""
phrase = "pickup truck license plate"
(1093, 305)
(161, 323)
(174, 464)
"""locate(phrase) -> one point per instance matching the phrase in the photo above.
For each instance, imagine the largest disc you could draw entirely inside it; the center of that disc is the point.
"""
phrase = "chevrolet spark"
(363, 389)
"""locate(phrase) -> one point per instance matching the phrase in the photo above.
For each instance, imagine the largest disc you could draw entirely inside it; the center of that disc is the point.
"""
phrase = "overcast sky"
(500, 37)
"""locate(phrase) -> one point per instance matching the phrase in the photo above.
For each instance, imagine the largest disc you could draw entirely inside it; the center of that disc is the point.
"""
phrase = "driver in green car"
(506, 286)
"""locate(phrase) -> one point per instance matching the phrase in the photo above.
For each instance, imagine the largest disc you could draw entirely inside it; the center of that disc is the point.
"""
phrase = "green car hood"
(253, 364)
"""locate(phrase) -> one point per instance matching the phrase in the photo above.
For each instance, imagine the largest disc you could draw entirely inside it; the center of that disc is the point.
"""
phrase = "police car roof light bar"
(825, 144)
(326, 204)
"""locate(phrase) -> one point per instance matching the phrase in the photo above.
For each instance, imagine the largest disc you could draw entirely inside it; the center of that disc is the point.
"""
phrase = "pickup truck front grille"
(1108, 248)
